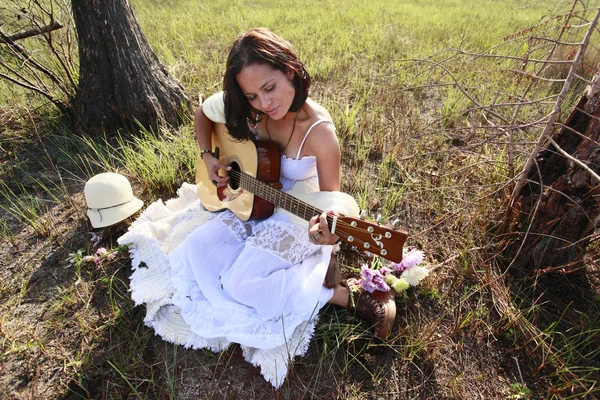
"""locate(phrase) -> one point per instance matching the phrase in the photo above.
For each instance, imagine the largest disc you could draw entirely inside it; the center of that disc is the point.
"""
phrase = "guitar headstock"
(377, 239)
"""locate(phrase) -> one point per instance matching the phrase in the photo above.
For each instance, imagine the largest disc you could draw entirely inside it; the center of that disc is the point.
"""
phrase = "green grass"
(423, 95)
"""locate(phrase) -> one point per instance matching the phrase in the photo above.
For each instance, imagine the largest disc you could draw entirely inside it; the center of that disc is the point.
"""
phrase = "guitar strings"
(281, 195)
(356, 242)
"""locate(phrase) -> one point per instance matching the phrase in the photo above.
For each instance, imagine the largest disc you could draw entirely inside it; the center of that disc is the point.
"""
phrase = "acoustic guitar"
(254, 191)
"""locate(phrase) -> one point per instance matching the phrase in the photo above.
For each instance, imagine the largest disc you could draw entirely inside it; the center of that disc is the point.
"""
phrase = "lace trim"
(240, 229)
(285, 240)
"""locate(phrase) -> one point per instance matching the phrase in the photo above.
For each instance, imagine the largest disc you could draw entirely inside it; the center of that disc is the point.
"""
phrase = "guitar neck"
(280, 199)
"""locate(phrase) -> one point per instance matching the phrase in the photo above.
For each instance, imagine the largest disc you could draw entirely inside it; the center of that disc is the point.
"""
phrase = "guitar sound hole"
(234, 175)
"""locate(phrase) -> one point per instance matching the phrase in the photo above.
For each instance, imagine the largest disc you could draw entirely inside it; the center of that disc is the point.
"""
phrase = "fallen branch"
(31, 32)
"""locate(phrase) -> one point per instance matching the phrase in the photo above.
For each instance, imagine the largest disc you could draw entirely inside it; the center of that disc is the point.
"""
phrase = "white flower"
(414, 275)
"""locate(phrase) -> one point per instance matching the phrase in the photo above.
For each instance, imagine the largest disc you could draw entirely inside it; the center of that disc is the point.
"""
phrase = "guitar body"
(260, 159)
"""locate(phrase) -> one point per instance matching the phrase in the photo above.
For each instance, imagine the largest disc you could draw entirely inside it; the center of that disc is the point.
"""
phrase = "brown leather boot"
(333, 276)
(378, 308)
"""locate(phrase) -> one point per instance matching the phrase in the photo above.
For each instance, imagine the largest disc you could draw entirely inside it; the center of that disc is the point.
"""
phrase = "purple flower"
(101, 251)
(97, 260)
(95, 239)
(372, 280)
(397, 266)
(385, 270)
(411, 258)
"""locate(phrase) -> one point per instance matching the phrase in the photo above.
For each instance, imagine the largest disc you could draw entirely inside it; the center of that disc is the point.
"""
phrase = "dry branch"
(31, 32)
(555, 112)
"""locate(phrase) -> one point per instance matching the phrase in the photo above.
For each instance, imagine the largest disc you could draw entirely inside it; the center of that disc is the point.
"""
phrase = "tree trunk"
(568, 196)
(121, 81)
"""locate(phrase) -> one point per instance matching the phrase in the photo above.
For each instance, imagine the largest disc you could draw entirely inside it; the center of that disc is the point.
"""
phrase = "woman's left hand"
(318, 230)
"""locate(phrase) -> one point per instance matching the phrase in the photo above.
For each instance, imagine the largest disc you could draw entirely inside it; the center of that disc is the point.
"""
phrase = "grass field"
(425, 97)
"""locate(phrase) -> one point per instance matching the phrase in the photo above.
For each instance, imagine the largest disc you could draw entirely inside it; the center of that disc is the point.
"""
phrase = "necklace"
(291, 134)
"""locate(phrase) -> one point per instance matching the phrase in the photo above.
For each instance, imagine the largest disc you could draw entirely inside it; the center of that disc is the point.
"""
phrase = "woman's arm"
(323, 143)
(203, 128)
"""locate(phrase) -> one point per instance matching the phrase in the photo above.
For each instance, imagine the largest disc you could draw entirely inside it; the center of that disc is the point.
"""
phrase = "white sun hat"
(109, 199)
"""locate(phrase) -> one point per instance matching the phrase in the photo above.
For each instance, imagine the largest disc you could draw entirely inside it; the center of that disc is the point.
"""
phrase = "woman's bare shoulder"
(316, 111)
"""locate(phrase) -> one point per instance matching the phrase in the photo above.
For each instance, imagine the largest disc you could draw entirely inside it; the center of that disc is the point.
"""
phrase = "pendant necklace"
(291, 134)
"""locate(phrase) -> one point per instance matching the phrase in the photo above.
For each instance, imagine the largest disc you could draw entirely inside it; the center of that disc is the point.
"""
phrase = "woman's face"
(267, 89)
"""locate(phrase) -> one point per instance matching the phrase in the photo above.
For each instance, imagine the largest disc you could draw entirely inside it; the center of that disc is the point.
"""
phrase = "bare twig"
(575, 160)
(34, 88)
(519, 369)
(23, 54)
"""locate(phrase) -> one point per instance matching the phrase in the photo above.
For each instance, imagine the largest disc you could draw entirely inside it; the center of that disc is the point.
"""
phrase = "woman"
(261, 283)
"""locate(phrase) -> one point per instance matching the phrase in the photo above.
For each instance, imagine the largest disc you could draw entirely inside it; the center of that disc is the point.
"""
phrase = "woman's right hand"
(213, 165)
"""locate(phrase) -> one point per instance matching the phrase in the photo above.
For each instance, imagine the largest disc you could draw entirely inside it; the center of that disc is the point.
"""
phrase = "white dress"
(209, 279)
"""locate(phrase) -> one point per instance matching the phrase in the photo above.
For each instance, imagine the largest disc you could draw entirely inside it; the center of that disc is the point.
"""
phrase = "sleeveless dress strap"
(307, 132)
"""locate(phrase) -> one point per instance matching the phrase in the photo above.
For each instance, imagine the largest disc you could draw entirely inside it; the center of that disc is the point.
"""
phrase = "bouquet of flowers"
(395, 276)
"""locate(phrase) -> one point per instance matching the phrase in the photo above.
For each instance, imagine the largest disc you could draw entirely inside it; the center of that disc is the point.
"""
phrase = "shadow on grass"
(564, 309)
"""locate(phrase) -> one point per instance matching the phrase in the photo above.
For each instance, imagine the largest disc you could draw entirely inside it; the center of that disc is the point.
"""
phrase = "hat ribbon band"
(106, 208)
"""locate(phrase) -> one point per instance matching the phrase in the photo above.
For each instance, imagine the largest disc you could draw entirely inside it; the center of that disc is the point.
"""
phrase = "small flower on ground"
(95, 239)
(393, 276)
(390, 279)
(88, 258)
(72, 259)
(410, 259)
(415, 275)
(400, 285)
(75, 259)
(111, 256)
(372, 280)
(101, 251)
(97, 260)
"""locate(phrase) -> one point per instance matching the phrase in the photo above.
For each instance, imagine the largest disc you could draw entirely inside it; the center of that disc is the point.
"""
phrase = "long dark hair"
(258, 46)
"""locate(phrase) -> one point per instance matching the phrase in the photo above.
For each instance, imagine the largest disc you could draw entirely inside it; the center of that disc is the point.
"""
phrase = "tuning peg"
(396, 224)
(363, 214)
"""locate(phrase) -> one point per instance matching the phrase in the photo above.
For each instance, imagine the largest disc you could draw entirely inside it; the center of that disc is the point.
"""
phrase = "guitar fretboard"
(281, 199)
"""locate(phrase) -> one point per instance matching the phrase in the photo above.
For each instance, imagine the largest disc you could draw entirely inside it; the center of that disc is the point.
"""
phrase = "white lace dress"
(209, 279)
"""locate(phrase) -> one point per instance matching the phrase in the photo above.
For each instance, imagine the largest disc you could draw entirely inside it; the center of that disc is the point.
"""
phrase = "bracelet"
(203, 152)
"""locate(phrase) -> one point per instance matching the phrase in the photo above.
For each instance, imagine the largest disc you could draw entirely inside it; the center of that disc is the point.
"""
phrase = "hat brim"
(110, 216)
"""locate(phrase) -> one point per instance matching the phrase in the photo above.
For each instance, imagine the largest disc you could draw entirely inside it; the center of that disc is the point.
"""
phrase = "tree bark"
(121, 81)
(560, 205)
